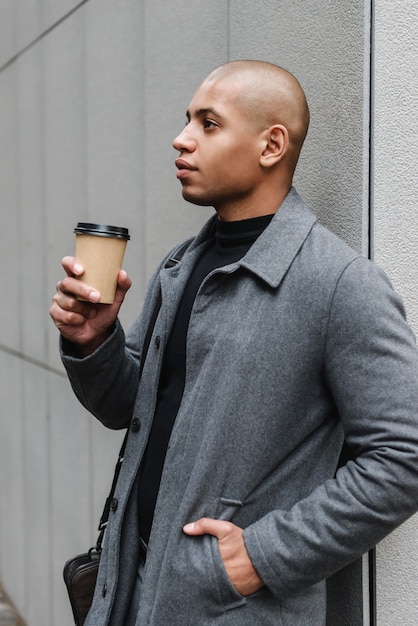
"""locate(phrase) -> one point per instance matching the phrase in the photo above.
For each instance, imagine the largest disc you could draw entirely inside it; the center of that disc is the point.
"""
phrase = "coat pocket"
(226, 508)
(230, 598)
(197, 565)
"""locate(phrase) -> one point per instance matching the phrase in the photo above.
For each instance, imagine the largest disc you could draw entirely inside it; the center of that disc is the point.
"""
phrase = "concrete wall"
(395, 246)
(91, 95)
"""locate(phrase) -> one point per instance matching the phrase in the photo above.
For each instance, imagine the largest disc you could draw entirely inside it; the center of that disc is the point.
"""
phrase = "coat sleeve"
(371, 370)
(106, 382)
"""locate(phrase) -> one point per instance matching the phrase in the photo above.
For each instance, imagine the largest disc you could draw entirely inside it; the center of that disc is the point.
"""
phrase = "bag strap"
(171, 262)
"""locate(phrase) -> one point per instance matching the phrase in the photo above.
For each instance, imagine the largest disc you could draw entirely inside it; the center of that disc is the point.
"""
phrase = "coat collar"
(272, 254)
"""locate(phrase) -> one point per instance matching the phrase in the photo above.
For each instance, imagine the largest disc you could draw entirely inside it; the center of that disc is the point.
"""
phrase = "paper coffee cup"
(100, 248)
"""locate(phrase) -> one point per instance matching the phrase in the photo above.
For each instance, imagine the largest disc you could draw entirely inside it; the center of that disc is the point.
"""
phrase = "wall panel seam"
(23, 357)
(40, 37)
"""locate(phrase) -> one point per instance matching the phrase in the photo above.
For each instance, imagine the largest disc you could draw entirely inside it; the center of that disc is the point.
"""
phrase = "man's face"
(219, 150)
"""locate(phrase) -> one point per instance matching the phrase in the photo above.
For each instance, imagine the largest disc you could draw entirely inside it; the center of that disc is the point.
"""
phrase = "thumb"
(208, 526)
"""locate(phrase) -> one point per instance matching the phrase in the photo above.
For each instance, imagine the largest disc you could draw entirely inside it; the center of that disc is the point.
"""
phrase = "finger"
(69, 311)
(72, 266)
(66, 303)
(208, 526)
(75, 288)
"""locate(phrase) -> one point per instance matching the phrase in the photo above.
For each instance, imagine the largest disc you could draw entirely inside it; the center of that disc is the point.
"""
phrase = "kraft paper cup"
(101, 248)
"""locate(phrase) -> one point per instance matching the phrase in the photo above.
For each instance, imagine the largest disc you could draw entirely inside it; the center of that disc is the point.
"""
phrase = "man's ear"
(276, 145)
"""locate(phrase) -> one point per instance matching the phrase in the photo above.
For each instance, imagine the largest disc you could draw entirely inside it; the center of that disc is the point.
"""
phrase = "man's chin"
(195, 199)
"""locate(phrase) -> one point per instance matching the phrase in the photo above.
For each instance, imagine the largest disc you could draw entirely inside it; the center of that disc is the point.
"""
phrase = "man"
(274, 341)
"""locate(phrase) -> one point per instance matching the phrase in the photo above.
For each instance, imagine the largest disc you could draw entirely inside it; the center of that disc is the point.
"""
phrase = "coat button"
(135, 426)
(157, 341)
(114, 504)
(174, 273)
(104, 590)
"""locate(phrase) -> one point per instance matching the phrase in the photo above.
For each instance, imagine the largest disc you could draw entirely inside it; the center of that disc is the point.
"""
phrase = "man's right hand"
(85, 323)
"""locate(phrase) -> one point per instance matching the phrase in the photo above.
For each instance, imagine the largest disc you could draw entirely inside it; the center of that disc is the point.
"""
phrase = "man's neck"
(262, 205)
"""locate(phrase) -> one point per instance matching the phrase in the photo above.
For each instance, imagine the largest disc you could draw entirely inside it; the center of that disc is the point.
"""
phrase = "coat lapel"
(272, 254)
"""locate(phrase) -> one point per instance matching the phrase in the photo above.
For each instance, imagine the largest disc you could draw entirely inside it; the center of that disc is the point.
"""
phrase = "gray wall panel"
(37, 494)
(326, 46)
(395, 245)
(10, 310)
(12, 456)
(7, 25)
(184, 42)
(30, 203)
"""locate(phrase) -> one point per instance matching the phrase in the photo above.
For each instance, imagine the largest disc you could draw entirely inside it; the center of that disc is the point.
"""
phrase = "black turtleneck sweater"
(230, 242)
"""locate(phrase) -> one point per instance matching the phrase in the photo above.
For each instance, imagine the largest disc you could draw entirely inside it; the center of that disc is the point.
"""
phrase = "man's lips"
(184, 168)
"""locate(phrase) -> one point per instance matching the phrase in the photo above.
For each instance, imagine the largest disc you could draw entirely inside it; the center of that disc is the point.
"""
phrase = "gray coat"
(297, 345)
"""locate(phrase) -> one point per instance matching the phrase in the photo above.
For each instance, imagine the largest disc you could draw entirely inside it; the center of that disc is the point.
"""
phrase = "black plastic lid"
(101, 230)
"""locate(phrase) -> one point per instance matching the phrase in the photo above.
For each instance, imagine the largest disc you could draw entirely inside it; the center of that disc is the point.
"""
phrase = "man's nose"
(184, 141)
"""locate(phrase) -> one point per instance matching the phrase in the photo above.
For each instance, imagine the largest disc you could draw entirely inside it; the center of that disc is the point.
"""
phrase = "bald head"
(246, 124)
(268, 95)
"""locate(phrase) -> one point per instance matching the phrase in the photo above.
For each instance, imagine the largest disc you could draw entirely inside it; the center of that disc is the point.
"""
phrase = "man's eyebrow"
(204, 111)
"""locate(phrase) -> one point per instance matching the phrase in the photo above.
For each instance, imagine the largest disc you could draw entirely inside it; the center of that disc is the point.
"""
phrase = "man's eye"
(209, 124)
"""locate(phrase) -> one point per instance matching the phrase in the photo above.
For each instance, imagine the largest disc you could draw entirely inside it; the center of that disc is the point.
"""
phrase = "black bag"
(80, 572)
(80, 575)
